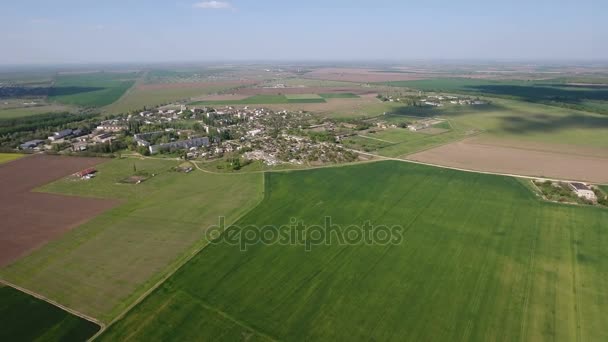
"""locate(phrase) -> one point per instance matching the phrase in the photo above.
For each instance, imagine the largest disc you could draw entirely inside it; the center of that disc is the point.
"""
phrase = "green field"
(137, 97)
(339, 96)
(395, 142)
(91, 89)
(6, 157)
(11, 113)
(553, 92)
(264, 99)
(25, 318)
(482, 259)
(105, 264)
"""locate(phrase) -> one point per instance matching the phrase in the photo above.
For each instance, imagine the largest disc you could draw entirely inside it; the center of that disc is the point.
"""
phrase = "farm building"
(583, 191)
(60, 135)
(31, 144)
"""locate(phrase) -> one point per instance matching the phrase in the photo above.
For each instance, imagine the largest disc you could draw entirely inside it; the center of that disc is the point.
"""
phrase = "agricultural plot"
(553, 92)
(482, 258)
(7, 157)
(395, 142)
(25, 318)
(265, 99)
(104, 265)
(22, 111)
(91, 89)
(339, 96)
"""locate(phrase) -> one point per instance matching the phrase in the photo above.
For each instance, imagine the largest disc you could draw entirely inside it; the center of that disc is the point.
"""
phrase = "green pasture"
(7, 157)
(91, 89)
(480, 258)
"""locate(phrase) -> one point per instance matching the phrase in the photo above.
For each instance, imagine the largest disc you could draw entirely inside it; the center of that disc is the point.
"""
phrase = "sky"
(110, 31)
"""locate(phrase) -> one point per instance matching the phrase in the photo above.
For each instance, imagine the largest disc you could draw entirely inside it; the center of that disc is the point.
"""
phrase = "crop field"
(303, 97)
(30, 220)
(500, 265)
(395, 142)
(25, 318)
(151, 95)
(339, 96)
(7, 157)
(264, 99)
(103, 265)
(554, 92)
(22, 111)
(91, 89)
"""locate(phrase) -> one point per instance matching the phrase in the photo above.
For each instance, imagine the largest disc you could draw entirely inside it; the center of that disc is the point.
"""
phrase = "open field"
(7, 157)
(17, 112)
(150, 95)
(306, 90)
(589, 97)
(338, 96)
(482, 258)
(91, 89)
(264, 99)
(361, 75)
(522, 161)
(31, 220)
(395, 142)
(25, 318)
(107, 263)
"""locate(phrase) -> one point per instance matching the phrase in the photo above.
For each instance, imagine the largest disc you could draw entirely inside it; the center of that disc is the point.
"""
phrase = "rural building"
(104, 138)
(583, 191)
(31, 144)
(60, 135)
(111, 126)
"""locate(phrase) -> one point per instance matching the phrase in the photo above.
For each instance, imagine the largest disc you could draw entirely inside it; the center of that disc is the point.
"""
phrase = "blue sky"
(85, 31)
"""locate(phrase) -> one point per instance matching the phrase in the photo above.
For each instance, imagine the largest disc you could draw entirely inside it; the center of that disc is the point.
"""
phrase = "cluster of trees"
(15, 131)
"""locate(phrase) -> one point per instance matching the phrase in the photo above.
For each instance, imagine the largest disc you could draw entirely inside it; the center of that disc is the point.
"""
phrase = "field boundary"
(54, 303)
(170, 273)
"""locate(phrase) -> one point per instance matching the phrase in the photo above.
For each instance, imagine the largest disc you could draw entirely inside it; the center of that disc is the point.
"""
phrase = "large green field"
(105, 264)
(554, 92)
(482, 258)
(265, 99)
(91, 89)
(25, 318)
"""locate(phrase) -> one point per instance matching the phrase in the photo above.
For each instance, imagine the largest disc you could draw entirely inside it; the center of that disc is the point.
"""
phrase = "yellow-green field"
(104, 265)
(7, 157)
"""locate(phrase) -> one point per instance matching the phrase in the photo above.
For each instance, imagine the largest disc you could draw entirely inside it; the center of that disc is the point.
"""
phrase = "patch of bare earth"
(30, 220)
(572, 163)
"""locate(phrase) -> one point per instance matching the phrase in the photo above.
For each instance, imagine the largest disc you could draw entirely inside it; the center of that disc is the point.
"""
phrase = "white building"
(583, 191)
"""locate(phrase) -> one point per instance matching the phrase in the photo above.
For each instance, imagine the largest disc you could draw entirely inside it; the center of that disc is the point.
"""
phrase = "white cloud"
(213, 5)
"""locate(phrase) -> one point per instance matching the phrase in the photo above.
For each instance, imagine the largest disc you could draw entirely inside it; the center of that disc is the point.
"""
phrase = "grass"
(11, 113)
(339, 96)
(482, 258)
(553, 92)
(25, 318)
(107, 263)
(7, 157)
(91, 90)
(264, 99)
(395, 142)
(139, 97)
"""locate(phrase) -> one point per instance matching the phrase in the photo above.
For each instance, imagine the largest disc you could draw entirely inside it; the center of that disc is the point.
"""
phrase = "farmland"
(6, 157)
(91, 89)
(106, 263)
(553, 92)
(25, 318)
(266, 99)
(501, 264)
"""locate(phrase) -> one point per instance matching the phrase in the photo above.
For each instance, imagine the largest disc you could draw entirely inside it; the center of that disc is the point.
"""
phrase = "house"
(104, 137)
(583, 191)
(60, 135)
(30, 144)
